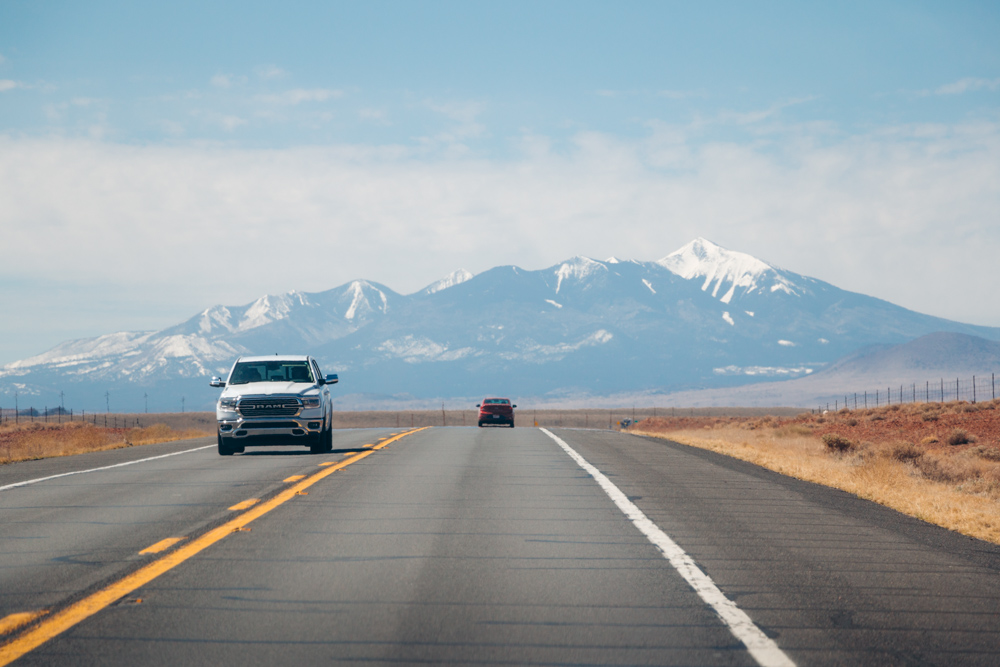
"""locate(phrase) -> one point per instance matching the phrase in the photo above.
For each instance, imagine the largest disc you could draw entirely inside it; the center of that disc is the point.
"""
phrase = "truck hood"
(270, 389)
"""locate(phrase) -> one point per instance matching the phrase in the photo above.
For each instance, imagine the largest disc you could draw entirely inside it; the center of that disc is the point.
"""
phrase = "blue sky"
(143, 149)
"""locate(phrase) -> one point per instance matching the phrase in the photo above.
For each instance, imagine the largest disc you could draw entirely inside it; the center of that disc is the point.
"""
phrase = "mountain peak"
(703, 259)
(454, 278)
(578, 268)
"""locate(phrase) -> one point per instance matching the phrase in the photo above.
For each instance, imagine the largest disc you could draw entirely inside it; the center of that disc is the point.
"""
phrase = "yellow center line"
(14, 621)
(246, 504)
(90, 605)
(162, 545)
(294, 478)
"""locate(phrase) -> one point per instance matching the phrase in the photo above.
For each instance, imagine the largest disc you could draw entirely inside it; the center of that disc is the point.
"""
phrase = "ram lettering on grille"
(268, 407)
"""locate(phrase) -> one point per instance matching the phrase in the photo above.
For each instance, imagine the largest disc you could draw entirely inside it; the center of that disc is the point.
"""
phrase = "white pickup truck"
(279, 400)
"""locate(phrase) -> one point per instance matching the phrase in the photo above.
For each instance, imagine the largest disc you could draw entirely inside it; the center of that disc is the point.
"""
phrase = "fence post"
(942, 390)
(973, 388)
(866, 400)
(956, 389)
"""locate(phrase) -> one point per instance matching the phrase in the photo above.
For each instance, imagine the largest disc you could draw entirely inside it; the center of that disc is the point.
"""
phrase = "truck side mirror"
(331, 379)
(217, 382)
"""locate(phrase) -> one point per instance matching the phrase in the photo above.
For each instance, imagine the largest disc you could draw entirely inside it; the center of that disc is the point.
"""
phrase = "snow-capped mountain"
(702, 316)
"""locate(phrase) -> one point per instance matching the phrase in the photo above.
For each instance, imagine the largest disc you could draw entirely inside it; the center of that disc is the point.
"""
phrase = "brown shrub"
(930, 440)
(905, 452)
(953, 469)
(985, 452)
(838, 443)
(930, 416)
(960, 437)
(793, 430)
(876, 418)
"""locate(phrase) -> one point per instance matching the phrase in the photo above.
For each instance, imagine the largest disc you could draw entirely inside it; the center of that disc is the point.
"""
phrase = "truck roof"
(276, 357)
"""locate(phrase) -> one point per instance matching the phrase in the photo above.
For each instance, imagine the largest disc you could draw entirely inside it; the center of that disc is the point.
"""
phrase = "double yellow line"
(90, 605)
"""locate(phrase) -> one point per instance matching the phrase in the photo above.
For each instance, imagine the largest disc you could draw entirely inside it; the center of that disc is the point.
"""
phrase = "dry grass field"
(937, 462)
(27, 441)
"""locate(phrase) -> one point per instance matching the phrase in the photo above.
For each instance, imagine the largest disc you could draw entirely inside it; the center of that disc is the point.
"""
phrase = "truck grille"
(269, 407)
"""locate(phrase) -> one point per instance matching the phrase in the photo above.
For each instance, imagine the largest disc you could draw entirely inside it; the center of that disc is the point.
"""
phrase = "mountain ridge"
(700, 317)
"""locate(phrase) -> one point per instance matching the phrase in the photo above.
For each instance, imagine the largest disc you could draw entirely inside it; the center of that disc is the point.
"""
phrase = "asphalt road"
(476, 546)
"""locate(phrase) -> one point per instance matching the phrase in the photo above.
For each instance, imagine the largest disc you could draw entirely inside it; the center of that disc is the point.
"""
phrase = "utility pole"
(182, 404)
(62, 405)
(442, 414)
(15, 407)
(145, 397)
(107, 401)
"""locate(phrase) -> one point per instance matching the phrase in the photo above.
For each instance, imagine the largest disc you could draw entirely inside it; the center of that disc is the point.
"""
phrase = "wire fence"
(60, 415)
(975, 389)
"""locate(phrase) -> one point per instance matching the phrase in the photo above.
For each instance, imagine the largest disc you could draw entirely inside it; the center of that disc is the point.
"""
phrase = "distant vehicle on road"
(279, 400)
(496, 411)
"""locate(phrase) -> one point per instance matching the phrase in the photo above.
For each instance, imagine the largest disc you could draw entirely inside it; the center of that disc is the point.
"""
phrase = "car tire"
(318, 444)
(225, 449)
(480, 424)
(512, 424)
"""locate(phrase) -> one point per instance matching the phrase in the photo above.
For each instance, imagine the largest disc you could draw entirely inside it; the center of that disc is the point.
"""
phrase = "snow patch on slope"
(531, 351)
(721, 268)
(269, 309)
(763, 371)
(577, 268)
(454, 278)
(360, 305)
(414, 350)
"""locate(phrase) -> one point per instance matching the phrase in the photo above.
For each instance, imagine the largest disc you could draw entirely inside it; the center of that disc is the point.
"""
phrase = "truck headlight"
(227, 403)
(310, 402)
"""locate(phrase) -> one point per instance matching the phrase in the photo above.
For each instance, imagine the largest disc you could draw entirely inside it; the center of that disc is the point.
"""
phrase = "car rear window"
(497, 401)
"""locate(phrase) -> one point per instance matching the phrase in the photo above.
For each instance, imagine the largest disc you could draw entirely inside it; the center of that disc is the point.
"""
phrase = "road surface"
(474, 546)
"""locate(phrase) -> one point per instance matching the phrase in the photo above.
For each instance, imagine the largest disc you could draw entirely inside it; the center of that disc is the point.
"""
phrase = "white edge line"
(117, 465)
(763, 649)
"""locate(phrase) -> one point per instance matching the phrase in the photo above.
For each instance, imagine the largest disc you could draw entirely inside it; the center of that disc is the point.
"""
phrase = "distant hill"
(935, 359)
(701, 317)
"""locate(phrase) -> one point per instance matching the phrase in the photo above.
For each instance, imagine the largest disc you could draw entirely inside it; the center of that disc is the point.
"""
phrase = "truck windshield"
(271, 371)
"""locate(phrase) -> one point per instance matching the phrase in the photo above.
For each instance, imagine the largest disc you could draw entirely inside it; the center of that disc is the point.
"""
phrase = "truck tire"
(225, 449)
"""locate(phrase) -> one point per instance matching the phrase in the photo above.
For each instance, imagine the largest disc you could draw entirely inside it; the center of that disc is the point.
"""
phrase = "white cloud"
(270, 72)
(967, 85)
(465, 117)
(380, 116)
(299, 95)
(907, 214)
(221, 81)
(230, 123)
(8, 84)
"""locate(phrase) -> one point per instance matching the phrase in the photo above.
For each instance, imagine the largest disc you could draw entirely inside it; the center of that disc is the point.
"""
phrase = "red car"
(497, 411)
